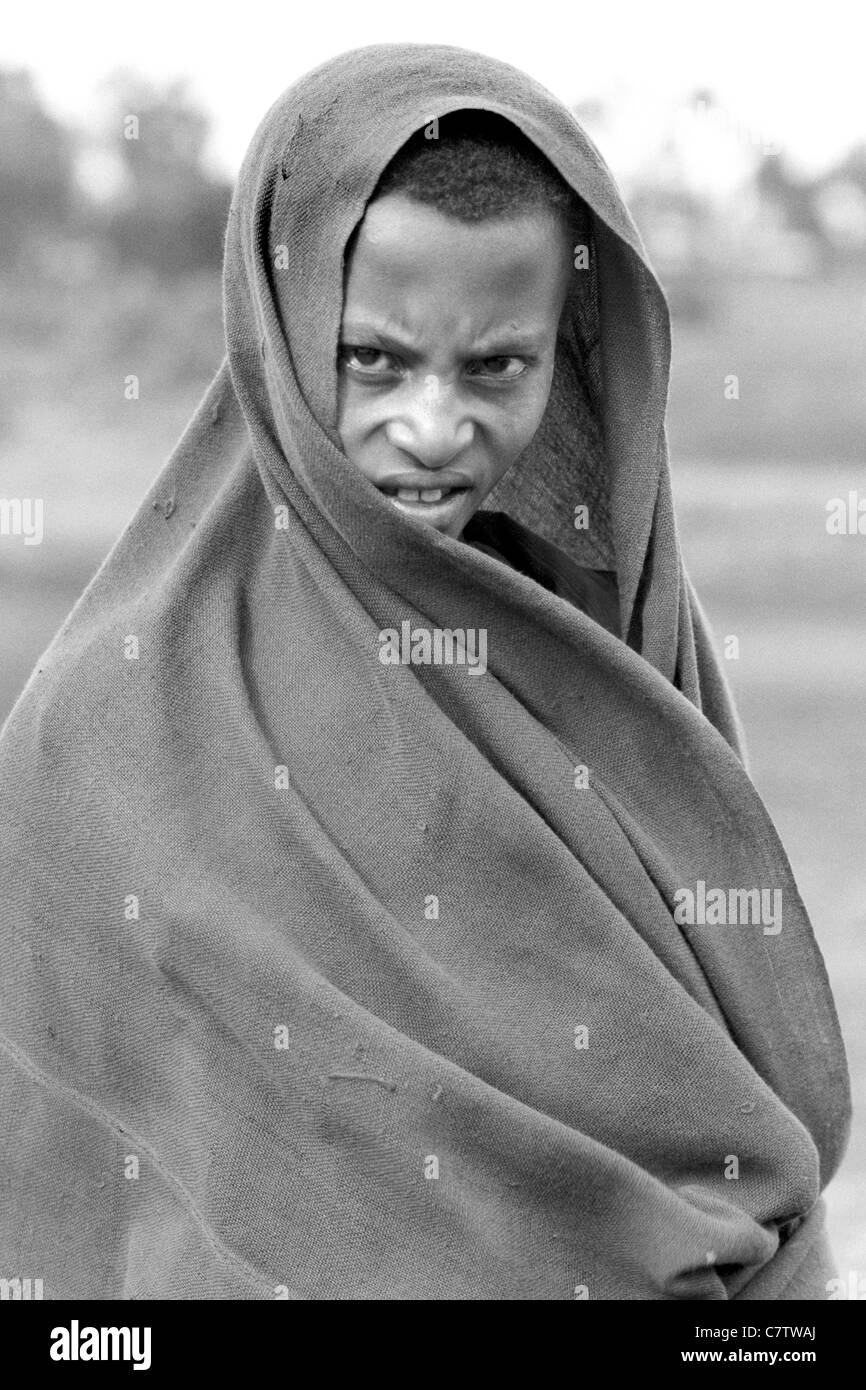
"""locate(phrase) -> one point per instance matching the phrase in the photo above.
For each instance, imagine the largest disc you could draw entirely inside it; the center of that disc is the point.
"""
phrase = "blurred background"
(739, 141)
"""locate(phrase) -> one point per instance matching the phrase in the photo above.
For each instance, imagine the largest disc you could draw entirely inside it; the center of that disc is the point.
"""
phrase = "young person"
(387, 911)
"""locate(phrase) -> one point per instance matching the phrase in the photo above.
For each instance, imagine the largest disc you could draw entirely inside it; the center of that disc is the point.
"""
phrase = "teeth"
(429, 494)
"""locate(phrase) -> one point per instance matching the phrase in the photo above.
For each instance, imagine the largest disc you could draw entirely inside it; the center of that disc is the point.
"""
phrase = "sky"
(785, 76)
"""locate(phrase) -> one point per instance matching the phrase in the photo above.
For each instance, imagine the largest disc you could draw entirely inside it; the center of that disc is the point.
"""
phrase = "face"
(447, 349)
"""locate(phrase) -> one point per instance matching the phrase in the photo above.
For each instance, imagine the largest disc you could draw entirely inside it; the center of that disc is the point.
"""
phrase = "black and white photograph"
(432, 667)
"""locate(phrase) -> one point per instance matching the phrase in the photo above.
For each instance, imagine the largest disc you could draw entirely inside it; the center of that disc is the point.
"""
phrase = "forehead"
(408, 251)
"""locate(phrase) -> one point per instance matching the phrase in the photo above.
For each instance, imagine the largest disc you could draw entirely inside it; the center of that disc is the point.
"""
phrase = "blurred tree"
(852, 167)
(171, 213)
(37, 192)
(841, 204)
(794, 197)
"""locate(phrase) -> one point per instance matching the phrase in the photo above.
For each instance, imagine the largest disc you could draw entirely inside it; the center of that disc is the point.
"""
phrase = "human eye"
(366, 361)
(502, 368)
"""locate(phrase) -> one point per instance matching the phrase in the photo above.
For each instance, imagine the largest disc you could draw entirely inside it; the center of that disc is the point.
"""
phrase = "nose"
(430, 423)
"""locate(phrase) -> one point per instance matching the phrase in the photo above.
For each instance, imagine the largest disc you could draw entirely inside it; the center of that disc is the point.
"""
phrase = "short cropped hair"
(476, 165)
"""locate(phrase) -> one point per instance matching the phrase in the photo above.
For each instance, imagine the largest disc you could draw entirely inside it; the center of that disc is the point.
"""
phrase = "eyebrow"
(497, 343)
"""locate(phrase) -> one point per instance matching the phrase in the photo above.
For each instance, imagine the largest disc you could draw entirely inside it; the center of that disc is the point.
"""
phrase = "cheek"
(519, 424)
(361, 412)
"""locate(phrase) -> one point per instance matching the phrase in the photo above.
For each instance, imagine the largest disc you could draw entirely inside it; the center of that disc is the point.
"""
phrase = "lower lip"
(431, 511)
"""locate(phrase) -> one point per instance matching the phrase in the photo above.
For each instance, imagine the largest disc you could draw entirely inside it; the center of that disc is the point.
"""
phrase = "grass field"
(757, 548)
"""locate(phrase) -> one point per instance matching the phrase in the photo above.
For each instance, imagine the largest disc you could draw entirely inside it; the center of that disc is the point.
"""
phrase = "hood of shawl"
(303, 187)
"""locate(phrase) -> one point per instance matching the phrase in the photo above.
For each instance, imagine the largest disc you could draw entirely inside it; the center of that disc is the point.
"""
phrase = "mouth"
(426, 502)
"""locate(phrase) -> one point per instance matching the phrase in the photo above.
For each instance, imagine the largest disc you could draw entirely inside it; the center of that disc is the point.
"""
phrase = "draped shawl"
(324, 978)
